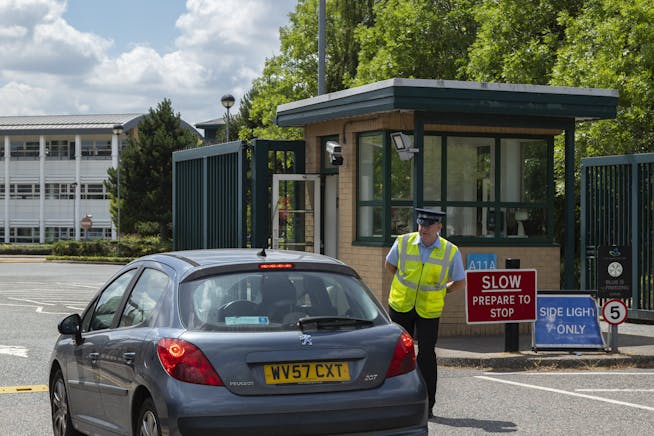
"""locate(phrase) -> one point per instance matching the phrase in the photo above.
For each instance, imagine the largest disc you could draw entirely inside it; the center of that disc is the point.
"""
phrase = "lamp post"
(74, 188)
(118, 130)
(227, 101)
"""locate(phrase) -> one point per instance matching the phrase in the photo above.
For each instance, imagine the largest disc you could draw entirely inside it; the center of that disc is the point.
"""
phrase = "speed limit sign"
(614, 312)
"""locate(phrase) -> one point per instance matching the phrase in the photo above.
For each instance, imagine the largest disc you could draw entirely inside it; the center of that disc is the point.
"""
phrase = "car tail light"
(404, 358)
(184, 361)
(276, 266)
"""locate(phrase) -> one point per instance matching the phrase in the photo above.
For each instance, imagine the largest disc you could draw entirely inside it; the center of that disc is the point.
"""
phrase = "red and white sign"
(500, 295)
(615, 312)
(86, 223)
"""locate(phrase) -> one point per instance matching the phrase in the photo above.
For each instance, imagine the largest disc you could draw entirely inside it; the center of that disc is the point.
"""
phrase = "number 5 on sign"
(614, 312)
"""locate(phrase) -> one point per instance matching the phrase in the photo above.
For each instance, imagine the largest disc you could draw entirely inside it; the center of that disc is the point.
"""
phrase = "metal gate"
(222, 192)
(617, 208)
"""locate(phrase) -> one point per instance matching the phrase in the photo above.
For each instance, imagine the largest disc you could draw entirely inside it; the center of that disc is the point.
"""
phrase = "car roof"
(193, 264)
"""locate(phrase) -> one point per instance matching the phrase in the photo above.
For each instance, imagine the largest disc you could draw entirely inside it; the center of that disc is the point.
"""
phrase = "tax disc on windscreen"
(614, 312)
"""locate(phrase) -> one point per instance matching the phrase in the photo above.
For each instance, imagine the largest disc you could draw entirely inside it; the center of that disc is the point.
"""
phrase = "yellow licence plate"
(306, 372)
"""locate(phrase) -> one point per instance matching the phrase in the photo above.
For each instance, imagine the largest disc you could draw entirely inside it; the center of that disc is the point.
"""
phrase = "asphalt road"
(34, 297)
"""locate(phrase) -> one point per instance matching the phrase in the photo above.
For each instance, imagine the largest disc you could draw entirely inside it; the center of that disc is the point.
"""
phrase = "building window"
(25, 150)
(491, 187)
(24, 191)
(96, 149)
(59, 191)
(2, 191)
(60, 150)
(94, 191)
(56, 233)
(25, 235)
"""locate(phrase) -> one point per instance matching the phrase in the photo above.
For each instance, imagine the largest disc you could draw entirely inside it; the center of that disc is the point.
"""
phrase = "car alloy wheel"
(61, 423)
(148, 423)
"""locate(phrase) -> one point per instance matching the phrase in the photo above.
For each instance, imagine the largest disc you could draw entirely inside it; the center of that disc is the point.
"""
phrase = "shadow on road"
(486, 425)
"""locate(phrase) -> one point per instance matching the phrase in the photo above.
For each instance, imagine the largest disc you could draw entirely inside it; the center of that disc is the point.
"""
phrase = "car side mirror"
(71, 325)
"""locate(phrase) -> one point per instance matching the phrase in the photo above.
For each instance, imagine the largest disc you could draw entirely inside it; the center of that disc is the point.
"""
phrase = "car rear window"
(274, 300)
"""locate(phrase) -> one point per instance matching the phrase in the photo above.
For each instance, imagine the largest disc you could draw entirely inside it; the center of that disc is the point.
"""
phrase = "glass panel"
(371, 154)
(274, 300)
(25, 149)
(370, 221)
(525, 223)
(401, 220)
(466, 221)
(470, 169)
(432, 168)
(401, 177)
(144, 298)
(524, 170)
(108, 303)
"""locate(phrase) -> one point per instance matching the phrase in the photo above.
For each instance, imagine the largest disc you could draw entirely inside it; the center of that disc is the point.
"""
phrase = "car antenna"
(262, 253)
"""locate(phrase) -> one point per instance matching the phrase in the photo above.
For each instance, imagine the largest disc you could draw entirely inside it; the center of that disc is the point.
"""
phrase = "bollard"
(512, 329)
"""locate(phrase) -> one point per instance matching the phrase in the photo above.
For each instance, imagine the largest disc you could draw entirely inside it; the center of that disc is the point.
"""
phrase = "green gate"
(222, 192)
(617, 208)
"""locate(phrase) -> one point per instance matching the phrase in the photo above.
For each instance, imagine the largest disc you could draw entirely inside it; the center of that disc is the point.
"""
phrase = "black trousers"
(425, 331)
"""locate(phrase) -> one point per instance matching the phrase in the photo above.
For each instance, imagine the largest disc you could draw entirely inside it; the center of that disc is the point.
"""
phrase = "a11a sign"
(500, 295)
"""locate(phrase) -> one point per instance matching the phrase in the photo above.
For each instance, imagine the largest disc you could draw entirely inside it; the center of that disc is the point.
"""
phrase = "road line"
(568, 373)
(559, 391)
(23, 389)
(614, 390)
(13, 350)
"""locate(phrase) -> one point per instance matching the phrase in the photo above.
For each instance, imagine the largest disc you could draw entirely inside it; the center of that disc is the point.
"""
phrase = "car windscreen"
(274, 300)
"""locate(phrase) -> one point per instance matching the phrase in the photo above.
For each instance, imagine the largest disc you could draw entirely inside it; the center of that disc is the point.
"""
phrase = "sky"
(61, 57)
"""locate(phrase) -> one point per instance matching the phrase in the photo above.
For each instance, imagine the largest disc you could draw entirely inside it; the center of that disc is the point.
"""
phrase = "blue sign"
(567, 321)
(477, 261)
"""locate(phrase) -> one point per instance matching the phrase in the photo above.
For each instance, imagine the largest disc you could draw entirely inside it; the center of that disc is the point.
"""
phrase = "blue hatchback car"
(235, 341)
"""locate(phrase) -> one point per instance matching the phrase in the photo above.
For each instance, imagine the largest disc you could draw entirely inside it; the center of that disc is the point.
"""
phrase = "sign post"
(500, 296)
(615, 313)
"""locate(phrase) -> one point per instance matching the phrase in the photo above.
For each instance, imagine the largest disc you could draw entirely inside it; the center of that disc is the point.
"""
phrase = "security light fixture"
(402, 145)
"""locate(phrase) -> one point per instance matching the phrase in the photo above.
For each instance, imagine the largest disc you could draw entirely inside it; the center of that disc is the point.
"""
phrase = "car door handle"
(94, 357)
(129, 357)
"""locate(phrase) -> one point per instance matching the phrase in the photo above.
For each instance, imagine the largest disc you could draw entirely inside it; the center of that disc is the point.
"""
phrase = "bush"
(34, 250)
(131, 246)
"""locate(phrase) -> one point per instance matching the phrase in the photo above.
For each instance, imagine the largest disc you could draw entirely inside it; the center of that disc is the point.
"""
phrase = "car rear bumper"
(396, 420)
(397, 407)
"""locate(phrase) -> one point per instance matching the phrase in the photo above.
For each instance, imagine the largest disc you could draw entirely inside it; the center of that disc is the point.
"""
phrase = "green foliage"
(293, 74)
(425, 39)
(31, 250)
(611, 45)
(146, 171)
(131, 246)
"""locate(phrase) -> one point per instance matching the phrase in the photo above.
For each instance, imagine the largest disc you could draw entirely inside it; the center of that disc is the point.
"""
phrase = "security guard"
(425, 267)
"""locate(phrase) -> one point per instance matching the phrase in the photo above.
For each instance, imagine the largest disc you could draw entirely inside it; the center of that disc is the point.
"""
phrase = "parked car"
(235, 341)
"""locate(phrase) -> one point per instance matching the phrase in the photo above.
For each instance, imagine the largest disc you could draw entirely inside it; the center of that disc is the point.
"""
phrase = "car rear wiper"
(332, 323)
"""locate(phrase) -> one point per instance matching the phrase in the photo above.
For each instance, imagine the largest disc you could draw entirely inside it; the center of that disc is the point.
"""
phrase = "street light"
(118, 130)
(227, 101)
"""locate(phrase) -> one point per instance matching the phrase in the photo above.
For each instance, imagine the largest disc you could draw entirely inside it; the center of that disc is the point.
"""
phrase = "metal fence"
(617, 209)
(221, 192)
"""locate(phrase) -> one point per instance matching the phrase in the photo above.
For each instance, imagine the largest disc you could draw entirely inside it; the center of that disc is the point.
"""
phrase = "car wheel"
(61, 423)
(148, 423)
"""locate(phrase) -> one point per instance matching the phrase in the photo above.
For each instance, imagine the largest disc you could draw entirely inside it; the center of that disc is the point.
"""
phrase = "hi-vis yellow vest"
(417, 284)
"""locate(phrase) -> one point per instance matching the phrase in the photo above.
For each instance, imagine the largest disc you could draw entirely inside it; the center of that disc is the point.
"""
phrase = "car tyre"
(61, 422)
(148, 422)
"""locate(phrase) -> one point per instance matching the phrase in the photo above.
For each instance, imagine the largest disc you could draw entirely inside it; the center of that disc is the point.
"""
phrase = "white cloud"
(49, 67)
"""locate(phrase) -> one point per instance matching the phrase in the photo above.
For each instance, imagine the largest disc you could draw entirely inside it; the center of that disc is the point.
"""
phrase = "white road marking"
(13, 350)
(614, 390)
(560, 391)
(568, 373)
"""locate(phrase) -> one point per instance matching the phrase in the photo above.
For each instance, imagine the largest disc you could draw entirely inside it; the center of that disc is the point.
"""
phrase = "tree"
(146, 172)
(518, 39)
(425, 39)
(611, 45)
(293, 74)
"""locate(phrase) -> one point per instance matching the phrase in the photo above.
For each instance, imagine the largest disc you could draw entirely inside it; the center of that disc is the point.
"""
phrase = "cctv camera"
(335, 151)
(334, 148)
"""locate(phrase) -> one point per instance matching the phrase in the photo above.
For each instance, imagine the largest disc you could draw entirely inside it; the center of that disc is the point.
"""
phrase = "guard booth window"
(491, 187)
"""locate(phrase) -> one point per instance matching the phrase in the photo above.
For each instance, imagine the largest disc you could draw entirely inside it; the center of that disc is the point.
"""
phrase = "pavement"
(635, 348)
